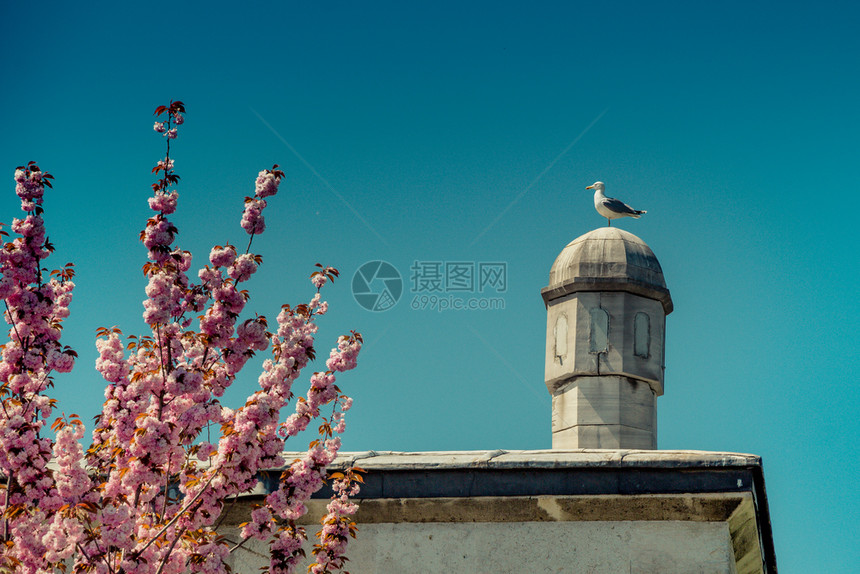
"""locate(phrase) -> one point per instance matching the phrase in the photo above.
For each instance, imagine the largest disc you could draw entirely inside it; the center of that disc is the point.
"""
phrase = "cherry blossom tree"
(148, 495)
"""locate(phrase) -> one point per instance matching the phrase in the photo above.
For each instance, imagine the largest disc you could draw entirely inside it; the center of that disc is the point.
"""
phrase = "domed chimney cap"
(608, 259)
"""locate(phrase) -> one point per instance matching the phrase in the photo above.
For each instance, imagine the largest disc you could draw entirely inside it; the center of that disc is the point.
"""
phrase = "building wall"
(604, 547)
(598, 511)
(534, 547)
(643, 534)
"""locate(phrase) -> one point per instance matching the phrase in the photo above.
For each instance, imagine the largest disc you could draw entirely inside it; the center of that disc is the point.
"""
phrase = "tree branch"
(164, 529)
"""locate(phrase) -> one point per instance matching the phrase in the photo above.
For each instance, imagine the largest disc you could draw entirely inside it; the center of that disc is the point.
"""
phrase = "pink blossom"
(217, 324)
(345, 356)
(230, 297)
(59, 361)
(164, 202)
(243, 267)
(319, 280)
(253, 221)
(253, 334)
(159, 233)
(222, 256)
(266, 184)
(209, 277)
(260, 525)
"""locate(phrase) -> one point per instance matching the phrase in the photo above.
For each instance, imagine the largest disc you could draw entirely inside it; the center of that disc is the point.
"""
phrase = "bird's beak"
(590, 187)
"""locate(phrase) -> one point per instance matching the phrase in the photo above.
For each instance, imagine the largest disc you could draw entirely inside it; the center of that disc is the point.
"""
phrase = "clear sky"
(446, 132)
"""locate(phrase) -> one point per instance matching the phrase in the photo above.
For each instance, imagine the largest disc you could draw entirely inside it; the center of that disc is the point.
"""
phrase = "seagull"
(609, 207)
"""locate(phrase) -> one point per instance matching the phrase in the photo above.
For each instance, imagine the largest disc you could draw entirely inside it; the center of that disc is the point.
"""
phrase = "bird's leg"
(608, 222)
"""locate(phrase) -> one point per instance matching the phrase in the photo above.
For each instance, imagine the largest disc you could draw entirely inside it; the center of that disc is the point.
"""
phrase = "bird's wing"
(617, 206)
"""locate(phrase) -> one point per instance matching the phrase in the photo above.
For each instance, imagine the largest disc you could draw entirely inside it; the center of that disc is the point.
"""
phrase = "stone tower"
(606, 306)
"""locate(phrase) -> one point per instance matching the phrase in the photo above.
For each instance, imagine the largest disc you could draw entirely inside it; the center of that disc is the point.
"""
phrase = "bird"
(609, 207)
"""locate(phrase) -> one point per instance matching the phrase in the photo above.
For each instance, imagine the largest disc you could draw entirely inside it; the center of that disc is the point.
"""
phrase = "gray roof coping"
(549, 458)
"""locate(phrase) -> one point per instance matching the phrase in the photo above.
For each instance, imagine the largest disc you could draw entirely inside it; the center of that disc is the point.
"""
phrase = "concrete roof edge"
(513, 459)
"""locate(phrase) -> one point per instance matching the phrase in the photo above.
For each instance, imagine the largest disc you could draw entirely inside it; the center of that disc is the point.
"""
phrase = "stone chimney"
(606, 306)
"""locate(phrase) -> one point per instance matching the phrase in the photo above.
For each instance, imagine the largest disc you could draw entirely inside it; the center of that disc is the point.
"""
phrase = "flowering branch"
(139, 501)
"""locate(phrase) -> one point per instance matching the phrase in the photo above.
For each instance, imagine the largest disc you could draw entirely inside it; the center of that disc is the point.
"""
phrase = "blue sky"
(442, 132)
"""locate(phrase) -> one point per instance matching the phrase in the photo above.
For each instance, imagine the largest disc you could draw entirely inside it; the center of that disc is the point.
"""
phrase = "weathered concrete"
(619, 547)
(570, 316)
(520, 547)
(604, 412)
(706, 507)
